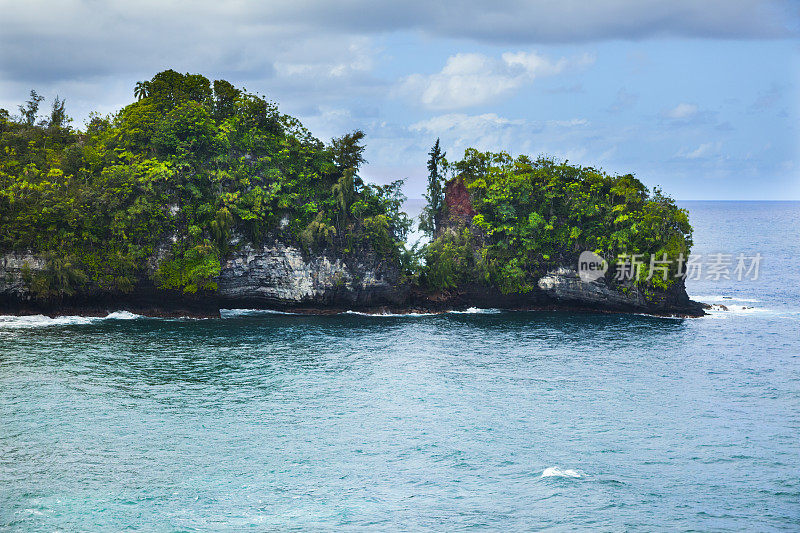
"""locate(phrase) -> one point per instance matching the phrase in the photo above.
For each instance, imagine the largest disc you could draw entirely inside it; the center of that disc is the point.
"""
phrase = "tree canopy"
(532, 215)
(432, 212)
(190, 167)
(167, 186)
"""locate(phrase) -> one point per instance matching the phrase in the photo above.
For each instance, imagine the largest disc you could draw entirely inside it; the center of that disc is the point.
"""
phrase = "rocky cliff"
(557, 286)
(563, 289)
(279, 275)
(565, 285)
(274, 275)
(15, 270)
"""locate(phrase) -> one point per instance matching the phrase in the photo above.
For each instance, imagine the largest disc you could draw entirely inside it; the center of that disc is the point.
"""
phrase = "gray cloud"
(319, 60)
(48, 39)
(557, 21)
(93, 52)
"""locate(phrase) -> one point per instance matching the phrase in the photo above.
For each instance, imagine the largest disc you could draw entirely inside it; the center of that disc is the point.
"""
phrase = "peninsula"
(200, 196)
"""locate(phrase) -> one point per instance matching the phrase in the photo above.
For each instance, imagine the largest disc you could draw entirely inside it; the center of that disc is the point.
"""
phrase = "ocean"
(480, 420)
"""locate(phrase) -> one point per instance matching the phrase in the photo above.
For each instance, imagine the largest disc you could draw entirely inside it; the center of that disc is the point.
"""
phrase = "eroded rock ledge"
(565, 285)
(280, 276)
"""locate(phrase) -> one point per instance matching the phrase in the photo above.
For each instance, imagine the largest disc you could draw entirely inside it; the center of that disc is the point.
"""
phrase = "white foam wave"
(722, 298)
(42, 321)
(386, 315)
(469, 311)
(232, 313)
(38, 321)
(665, 317)
(724, 306)
(123, 315)
(476, 311)
(718, 312)
(554, 471)
(747, 309)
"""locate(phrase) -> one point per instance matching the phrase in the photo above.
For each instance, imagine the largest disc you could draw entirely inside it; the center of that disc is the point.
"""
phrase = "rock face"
(17, 269)
(559, 288)
(563, 289)
(13, 269)
(565, 285)
(458, 201)
(279, 275)
(274, 275)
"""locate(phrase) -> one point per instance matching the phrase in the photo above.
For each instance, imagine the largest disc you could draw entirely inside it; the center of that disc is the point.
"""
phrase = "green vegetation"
(183, 172)
(432, 212)
(166, 187)
(533, 215)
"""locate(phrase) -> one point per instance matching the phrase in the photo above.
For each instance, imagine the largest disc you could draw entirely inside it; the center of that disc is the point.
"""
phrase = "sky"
(698, 97)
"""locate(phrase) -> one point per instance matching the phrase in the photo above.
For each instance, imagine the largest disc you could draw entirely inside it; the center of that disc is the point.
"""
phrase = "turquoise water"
(482, 420)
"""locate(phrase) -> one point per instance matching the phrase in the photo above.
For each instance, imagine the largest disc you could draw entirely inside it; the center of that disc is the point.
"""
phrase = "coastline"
(98, 311)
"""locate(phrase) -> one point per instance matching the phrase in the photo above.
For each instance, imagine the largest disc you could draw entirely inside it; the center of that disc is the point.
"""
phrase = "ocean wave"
(722, 298)
(42, 321)
(233, 313)
(554, 471)
(122, 315)
(476, 311)
(38, 321)
(386, 315)
(724, 306)
(665, 317)
(469, 311)
(729, 310)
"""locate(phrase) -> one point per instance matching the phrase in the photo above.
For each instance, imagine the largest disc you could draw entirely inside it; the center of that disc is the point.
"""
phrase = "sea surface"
(482, 420)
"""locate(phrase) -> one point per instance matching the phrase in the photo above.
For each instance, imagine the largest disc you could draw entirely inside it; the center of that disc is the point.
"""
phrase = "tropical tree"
(432, 213)
(31, 108)
(185, 171)
(58, 115)
(141, 90)
(348, 152)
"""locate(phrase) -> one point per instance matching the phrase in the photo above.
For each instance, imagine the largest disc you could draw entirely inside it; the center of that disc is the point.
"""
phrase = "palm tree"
(142, 90)
(344, 191)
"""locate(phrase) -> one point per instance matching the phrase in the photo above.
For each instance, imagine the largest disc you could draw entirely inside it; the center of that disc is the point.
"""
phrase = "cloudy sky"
(697, 96)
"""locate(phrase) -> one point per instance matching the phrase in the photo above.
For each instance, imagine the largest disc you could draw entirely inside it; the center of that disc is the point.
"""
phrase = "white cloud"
(571, 123)
(682, 111)
(357, 58)
(461, 122)
(490, 131)
(472, 79)
(703, 151)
